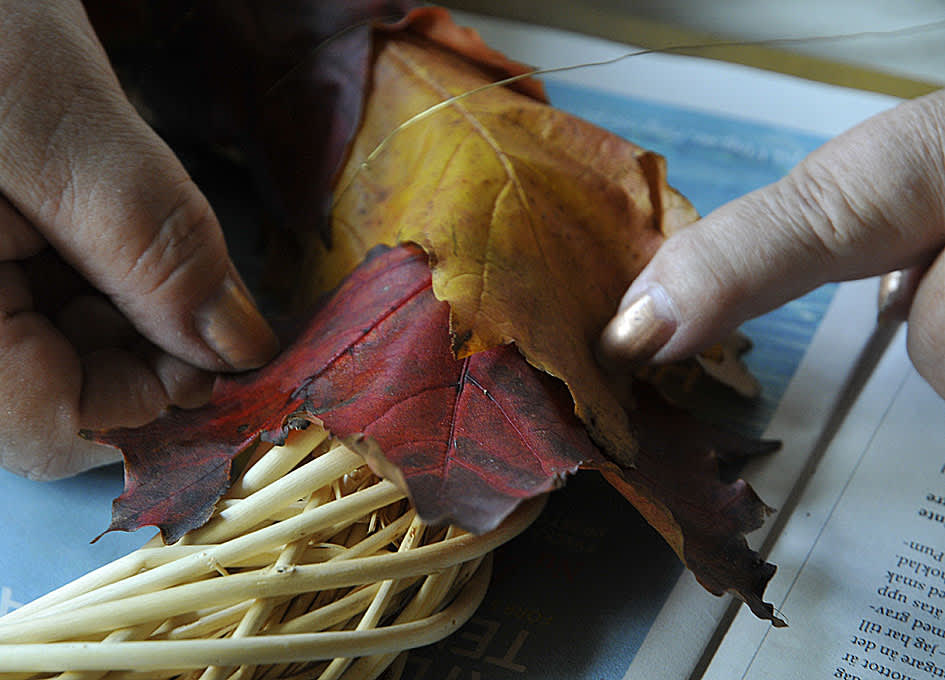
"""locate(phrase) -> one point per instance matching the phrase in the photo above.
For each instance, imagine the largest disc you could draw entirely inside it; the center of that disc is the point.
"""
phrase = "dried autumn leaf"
(469, 439)
(675, 485)
(535, 221)
(496, 188)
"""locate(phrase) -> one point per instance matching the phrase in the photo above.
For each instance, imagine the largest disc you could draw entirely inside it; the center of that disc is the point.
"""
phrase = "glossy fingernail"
(232, 327)
(896, 291)
(640, 329)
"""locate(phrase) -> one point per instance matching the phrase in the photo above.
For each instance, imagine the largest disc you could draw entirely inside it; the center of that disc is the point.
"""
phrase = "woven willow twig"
(310, 562)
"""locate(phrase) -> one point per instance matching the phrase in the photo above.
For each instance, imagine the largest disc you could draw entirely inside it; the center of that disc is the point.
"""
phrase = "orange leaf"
(535, 221)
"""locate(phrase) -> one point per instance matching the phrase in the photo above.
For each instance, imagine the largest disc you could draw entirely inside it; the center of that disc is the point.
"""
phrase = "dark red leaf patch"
(675, 484)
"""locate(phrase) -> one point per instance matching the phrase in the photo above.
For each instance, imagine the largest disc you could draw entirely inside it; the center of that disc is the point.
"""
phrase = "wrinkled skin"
(116, 292)
(868, 202)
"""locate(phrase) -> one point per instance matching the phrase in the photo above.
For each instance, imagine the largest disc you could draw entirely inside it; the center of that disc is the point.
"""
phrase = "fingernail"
(896, 291)
(233, 328)
(639, 330)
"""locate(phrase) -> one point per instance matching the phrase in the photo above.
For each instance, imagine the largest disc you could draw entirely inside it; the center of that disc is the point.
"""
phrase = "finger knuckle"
(185, 241)
(831, 217)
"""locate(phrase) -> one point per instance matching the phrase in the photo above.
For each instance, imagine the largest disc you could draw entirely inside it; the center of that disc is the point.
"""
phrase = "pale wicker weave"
(312, 567)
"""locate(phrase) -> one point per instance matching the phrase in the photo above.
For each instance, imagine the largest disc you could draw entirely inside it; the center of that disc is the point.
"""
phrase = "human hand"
(868, 202)
(117, 295)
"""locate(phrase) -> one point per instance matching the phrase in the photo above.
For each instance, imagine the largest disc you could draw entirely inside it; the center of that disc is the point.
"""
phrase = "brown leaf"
(675, 485)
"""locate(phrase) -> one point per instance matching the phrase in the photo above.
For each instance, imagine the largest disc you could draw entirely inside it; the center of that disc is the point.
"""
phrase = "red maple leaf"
(468, 438)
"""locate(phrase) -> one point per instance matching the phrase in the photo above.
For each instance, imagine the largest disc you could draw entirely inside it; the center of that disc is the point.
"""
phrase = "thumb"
(867, 202)
(106, 192)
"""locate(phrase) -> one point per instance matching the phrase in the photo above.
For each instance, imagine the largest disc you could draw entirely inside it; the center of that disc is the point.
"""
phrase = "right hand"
(868, 202)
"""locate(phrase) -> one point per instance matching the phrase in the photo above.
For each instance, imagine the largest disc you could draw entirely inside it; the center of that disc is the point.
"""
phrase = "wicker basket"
(312, 566)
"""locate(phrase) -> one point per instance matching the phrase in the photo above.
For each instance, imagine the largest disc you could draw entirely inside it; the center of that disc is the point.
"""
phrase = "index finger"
(868, 202)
